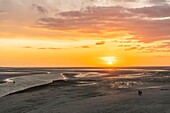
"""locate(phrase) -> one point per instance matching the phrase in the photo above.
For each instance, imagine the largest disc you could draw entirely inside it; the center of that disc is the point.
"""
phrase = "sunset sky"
(84, 33)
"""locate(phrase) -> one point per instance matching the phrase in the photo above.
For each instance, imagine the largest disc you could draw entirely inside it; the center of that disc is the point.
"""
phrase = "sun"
(109, 60)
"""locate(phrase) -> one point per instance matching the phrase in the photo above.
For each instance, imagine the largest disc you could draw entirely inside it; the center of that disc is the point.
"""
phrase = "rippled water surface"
(16, 79)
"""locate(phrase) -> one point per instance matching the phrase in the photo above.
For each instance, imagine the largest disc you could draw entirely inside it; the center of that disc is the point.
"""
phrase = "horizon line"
(66, 67)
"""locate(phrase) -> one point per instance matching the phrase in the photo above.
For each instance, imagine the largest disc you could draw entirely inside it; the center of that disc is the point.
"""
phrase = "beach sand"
(61, 97)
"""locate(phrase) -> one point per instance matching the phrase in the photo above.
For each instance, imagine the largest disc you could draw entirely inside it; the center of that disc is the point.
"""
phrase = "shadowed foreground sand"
(57, 98)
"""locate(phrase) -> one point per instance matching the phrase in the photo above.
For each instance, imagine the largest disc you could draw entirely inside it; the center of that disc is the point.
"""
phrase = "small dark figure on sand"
(139, 92)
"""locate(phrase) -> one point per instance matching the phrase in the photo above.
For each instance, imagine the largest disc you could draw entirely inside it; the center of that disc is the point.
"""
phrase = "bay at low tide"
(51, 90)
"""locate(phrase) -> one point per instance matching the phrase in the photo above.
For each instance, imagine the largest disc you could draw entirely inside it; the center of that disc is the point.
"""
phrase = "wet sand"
(67, 97)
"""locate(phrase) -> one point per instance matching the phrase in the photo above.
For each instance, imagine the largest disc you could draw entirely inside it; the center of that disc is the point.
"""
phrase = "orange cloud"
(50, 48)
(100, 43)
(114, 19)
(27, 47)
(85, 46)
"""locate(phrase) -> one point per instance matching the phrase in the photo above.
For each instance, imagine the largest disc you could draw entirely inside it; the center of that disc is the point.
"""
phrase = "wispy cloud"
(85, 46)
(114, 18)
(158, 1)
(27, 47)
(131, 48)
(42, 48)
(157, 11)
(125, 0)
(49, 48)
(149, 47)
(100, 43)
(3, 12)
(40, 9)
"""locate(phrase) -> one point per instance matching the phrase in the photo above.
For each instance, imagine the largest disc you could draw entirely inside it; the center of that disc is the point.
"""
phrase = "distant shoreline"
(114, 67)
